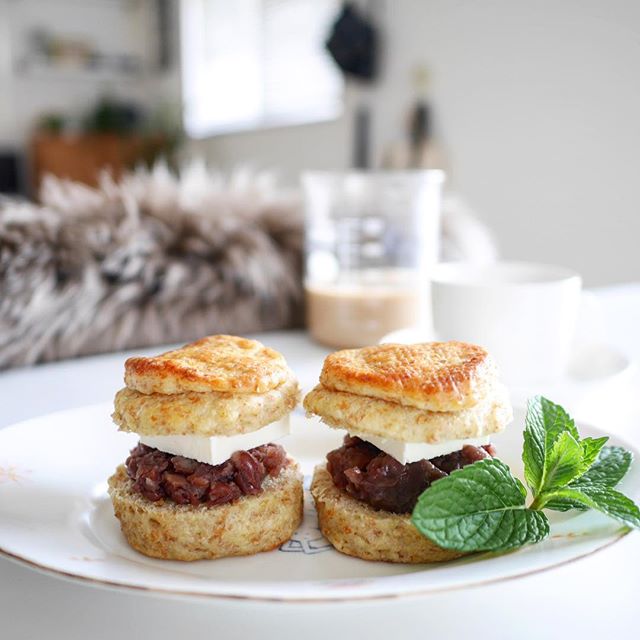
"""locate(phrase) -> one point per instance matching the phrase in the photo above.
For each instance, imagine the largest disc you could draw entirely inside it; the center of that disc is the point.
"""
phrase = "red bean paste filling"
(159, 476)
(373, 476)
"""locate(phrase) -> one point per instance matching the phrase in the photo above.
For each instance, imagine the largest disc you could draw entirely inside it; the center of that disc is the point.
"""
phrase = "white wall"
(538, 107)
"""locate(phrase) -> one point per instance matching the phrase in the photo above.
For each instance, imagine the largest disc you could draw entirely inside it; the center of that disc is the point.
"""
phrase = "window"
(250, 64)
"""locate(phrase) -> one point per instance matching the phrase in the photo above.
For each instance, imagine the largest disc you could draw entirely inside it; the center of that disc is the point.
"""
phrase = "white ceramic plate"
(55, 515)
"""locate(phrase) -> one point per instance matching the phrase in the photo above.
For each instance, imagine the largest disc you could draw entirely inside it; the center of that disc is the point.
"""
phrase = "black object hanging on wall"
(353, 43)
(11, 172)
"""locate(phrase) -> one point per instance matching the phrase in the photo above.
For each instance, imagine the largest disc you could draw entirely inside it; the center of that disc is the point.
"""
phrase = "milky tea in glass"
(370, 240)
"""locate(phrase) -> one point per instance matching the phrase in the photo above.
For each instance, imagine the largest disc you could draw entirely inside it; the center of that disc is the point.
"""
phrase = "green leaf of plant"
(564, 462)
(544, 423)
(604, 499)
(591, 448)
(564, 504)
(610, 467)
(533, 451)
(479, 508)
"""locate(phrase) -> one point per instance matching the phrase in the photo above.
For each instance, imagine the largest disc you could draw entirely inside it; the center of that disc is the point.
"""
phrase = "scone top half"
(430, 393)
(413, 414)
(218, 386)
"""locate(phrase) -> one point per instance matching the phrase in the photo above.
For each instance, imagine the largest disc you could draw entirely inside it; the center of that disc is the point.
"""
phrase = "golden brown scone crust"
(355, 528)
(361, 415)
(180, 532)
(203, 414)
(435, 376)
(215, 363)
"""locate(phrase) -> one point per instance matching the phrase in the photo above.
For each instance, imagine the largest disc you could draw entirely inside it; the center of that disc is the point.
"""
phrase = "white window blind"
(249, 64)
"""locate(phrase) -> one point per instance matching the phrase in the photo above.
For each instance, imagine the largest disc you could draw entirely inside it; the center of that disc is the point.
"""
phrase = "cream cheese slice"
(405, 452)
(217, 449)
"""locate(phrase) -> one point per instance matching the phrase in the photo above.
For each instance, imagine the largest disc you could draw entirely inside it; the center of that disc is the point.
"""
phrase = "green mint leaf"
(480, 507)
(609, 468)
(603, 499)
(533, 451)
(591, 448)
(568, 460)
(544, 423)
(564, 462)
(564, 504)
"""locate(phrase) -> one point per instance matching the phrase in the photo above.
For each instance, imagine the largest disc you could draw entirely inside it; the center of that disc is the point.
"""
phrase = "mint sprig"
(482, 507)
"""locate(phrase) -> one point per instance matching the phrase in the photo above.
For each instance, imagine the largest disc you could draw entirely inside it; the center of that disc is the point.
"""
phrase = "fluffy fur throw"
(152, 259)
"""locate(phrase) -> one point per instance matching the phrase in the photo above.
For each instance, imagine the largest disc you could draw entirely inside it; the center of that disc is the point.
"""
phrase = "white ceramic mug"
(524, 313)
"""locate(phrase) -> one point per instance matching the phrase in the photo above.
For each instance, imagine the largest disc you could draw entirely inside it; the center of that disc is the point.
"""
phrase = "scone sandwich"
(413, 413)
(207, 479)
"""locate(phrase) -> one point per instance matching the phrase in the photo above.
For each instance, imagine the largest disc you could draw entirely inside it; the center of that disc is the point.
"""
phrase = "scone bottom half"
(208, 478)
(248, 525)
(395, 448)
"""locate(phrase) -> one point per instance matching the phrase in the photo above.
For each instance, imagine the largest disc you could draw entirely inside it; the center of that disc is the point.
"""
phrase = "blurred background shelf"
(45, 71)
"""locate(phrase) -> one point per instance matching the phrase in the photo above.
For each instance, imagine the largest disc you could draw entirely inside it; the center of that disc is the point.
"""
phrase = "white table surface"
(589, 598)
